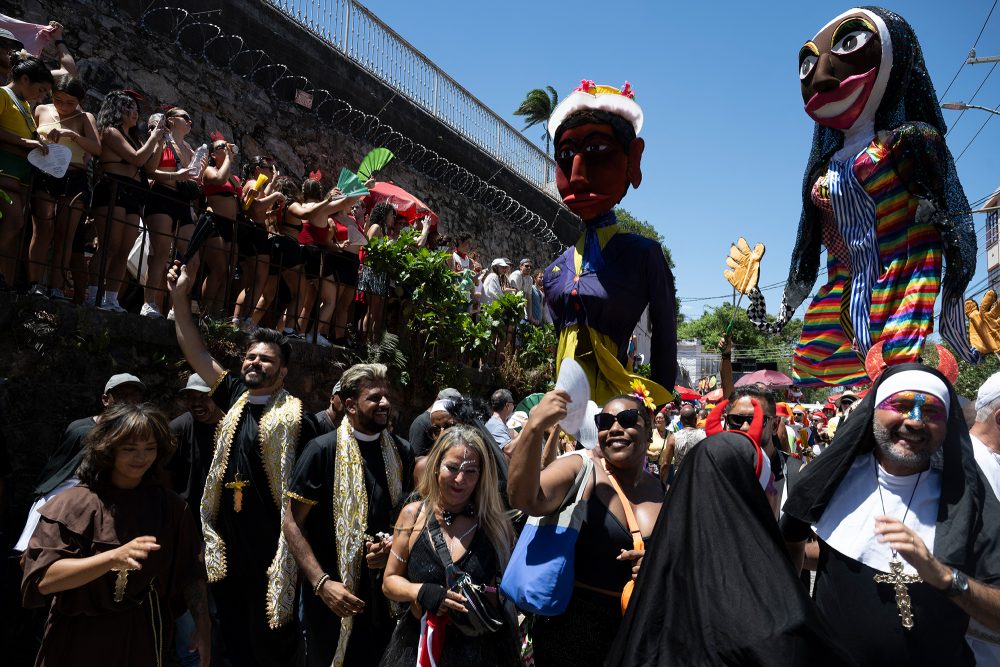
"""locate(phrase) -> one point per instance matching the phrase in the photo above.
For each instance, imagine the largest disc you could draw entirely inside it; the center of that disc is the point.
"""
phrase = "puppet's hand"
(744, 265)
(989, 310)
(981, 334)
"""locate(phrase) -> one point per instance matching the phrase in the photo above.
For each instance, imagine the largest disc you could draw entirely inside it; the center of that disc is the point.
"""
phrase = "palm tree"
(536, 108)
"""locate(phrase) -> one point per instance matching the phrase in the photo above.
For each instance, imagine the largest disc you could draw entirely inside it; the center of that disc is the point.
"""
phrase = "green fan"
(350, 184)
(377, 159)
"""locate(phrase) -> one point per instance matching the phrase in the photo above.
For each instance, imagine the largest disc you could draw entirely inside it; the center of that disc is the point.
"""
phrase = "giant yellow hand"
(989, 310)
(981, 334)
(744, 265)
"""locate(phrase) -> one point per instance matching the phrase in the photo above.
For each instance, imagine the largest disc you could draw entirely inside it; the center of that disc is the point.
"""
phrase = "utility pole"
(973, 60)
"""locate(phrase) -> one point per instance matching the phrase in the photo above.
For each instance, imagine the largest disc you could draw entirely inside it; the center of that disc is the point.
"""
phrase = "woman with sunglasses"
(458, 501)
(605, 558)
(167, 212)
(221, 187)
(252, 240)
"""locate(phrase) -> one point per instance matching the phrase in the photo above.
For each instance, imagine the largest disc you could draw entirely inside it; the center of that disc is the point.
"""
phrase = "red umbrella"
(769, 378)
(713, 396)
(407, 206)
(686, 394)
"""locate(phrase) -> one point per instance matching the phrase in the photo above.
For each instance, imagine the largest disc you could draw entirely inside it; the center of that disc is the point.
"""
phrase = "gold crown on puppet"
(639, 391)
(588, 95)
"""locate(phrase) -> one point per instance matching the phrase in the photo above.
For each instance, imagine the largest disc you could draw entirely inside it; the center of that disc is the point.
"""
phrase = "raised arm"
(66, 63)
(115, 140)
(188, 336)
(531, 489)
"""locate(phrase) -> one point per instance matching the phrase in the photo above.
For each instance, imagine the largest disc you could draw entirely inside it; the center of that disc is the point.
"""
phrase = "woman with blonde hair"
(458, 528)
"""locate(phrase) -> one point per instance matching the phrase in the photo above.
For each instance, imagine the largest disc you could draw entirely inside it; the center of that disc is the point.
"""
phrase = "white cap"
(988, 392)
(499, 261)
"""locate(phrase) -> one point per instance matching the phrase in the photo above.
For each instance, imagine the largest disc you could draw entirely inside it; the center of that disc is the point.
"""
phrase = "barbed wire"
(231, 53)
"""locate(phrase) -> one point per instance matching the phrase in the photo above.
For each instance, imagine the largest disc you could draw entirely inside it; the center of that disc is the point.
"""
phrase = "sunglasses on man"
(627, 419)
(736, 422)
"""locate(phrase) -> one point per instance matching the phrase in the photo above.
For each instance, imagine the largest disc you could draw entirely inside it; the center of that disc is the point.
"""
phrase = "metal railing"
(362, 37)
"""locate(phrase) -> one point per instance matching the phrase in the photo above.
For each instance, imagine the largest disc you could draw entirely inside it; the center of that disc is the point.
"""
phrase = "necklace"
(458, 540)
(897, 578)
(449, 517)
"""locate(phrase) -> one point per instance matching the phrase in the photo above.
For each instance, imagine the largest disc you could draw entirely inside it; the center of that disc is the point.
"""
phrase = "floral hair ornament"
(639, 391)
(316, 175)
(215, 135)
(589, 95)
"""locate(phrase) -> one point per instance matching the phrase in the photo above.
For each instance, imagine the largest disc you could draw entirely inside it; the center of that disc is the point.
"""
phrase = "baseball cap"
(7, 38)
(195, 383)
(121, 379)
(449, 394)
(524, 260)
(499, 261)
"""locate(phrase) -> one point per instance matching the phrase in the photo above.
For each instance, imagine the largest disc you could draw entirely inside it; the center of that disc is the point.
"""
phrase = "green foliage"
(386, 351)
(536, 108)
(630, 224)
(538, 344)
(970, 376)
(645, 370)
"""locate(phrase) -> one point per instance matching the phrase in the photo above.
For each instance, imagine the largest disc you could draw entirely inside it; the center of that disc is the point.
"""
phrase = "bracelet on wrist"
(319, 583)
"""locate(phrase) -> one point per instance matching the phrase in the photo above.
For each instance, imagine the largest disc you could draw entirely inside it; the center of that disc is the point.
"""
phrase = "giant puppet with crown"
(598, 289)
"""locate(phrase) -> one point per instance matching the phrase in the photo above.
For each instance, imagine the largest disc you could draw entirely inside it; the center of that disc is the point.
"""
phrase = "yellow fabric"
(350, 513)
(604, 235)
(77, 154)
(12, 119)
(279, 428)
(744, 265)
(596, 354)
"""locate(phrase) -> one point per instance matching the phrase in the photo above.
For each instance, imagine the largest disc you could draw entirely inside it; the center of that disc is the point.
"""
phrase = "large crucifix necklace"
(121, 581)
(897, 577)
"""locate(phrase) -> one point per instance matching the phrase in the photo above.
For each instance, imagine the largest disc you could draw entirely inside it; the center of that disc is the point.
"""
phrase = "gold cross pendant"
(237, 486)
(899, 580)
(121, 581)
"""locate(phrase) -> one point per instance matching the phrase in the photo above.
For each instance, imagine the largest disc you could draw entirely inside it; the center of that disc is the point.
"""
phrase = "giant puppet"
(881, 194)
(598, 289)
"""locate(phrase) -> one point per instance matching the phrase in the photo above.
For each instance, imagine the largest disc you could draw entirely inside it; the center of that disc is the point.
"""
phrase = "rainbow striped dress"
(904, 277)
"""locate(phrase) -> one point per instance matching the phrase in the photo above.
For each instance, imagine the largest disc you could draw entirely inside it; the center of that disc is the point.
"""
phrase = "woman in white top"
(496, 283)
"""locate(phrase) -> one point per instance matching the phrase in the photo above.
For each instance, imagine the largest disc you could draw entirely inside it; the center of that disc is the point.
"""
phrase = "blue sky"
(726, 136)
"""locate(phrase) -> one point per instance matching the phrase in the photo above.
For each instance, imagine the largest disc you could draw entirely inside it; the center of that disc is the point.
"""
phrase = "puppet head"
(597, 153)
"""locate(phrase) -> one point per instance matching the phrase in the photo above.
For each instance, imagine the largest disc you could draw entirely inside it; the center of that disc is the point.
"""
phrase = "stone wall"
(113, 52)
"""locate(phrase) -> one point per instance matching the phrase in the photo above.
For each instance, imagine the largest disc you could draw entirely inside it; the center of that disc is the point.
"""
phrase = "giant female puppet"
(598, 289)
(881, 194)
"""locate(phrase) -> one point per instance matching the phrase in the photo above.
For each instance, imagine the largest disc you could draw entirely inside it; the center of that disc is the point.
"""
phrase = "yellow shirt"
(11, 118)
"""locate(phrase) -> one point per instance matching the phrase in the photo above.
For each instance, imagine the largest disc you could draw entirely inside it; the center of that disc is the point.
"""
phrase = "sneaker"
(151, 311)
(57, 294)
(112, 307)
(39, 290)
(318, 339)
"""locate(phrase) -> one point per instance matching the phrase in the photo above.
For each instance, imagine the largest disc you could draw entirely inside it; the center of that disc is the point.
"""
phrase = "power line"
(972, 99)
(989, 117)
(974, 45)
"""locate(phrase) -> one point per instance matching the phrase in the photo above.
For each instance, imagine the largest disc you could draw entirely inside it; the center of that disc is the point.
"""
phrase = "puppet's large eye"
(807, 65)
(851, 42)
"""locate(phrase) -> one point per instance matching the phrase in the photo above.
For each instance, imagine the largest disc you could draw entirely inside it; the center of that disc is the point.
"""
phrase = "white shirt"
(491, 289)
(848, 524)
(987, 650)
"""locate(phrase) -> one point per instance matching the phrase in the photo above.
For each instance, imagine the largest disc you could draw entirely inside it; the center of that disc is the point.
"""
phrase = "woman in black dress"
(459, 499)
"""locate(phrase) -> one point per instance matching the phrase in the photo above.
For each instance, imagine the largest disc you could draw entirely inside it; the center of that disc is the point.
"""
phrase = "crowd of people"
(269, 249)
(337, 538)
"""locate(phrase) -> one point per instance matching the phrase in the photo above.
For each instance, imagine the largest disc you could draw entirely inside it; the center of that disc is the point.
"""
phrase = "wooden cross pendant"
(121, 581)
(899, 580)
(237, 486)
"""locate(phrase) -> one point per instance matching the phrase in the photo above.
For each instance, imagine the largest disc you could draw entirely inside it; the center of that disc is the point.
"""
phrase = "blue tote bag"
(540, 574)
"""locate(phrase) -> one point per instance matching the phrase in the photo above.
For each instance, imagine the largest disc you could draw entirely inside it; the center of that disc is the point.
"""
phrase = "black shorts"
(161, 200)
(345, 267)
(73, 183)
(131, 194)
(251, 239)
(286, 253)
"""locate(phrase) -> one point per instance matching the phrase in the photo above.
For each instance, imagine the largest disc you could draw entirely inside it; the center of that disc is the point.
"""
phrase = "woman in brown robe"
(114, 557)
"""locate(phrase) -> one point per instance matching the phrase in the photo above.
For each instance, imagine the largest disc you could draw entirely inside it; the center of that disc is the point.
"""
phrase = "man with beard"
(344, 494)
(898, 506)
(195, 434)
(251, 570)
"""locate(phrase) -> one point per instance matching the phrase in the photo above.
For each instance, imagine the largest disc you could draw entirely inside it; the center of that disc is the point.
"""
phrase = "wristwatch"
(959, 584)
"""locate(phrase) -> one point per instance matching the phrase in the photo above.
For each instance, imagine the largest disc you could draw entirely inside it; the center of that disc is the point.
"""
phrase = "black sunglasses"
(736, 422)
(627, 419)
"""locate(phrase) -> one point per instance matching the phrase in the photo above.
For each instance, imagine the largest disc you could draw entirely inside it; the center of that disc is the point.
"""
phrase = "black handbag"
(482, 617)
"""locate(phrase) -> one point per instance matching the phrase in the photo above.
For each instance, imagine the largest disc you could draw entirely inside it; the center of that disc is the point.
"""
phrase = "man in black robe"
(897, 497)
(249, 568)
(344, 495)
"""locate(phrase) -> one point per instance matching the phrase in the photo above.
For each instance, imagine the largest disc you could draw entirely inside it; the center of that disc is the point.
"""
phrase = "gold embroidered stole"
(279, 429)
(350, 512)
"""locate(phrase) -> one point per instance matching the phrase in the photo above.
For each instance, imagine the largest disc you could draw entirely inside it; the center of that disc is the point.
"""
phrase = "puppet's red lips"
(583, 198)
(839, 108)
